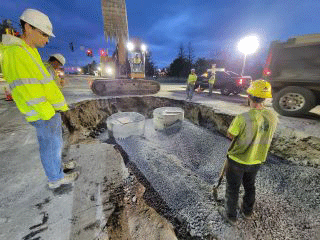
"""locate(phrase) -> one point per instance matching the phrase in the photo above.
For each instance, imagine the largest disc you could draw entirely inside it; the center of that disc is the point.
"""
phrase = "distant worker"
(54, 64)
(212, 79)
(192, 78)
(251, 133)
(35, 93)
(137, 62)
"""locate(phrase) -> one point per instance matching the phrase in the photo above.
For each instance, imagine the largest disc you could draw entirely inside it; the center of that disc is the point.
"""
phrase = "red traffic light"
(103, 52)
(89, 53)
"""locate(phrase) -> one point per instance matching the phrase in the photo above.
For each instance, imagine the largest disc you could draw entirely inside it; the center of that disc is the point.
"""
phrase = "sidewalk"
(27, 208)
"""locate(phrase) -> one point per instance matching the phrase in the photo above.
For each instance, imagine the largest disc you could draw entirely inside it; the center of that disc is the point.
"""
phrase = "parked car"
(228, 82)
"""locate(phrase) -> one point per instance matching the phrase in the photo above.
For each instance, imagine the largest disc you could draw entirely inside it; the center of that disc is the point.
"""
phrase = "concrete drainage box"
(167, 116)
(125, 124)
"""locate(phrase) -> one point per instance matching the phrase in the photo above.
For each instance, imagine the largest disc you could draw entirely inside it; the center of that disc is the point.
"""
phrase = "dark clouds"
(165, 24)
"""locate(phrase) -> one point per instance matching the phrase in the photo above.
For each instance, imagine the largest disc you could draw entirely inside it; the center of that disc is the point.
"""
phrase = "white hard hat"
(59, 57)
(38, 20)
(192, 69)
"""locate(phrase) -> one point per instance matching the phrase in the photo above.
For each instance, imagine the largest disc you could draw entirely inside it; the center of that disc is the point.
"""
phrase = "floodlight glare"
(143, 48)
(130, 46)
(248, 45)
(109, 70)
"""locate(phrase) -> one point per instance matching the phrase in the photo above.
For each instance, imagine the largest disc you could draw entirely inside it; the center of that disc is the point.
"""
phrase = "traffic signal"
(89, 53)
(103, 52)
(71, 46)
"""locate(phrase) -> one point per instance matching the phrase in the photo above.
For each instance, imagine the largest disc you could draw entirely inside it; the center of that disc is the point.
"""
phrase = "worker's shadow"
(63, 189)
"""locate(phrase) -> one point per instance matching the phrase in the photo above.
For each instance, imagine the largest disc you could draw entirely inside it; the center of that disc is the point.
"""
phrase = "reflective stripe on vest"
(31, 113)
(35, 101)
(39, 67)
(21, 82)
(58, 105)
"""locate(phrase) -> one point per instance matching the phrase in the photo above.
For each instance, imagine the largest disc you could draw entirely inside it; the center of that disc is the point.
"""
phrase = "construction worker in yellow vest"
(137, 63)
(35, 92)
(192, 78)
(212, 79)
(251, 133)
(54, 64)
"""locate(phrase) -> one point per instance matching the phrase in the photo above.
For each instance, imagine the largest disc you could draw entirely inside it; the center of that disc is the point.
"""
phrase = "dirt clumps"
(133, 218)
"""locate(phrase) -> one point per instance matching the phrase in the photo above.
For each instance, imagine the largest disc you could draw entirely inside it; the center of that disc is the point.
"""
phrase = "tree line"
(185, 61)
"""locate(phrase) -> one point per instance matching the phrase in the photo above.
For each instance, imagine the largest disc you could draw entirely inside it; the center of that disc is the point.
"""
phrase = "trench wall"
(87, 119)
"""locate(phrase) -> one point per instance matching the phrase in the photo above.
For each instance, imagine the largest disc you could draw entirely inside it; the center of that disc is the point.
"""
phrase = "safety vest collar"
(8, 40)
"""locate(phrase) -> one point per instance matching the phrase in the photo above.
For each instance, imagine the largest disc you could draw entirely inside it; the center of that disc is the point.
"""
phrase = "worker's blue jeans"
(236, 174)
(49, 133)
(190, 91)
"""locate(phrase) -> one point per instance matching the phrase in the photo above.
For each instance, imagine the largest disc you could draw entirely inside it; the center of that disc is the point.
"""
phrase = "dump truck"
(293, 69)
(128, 58)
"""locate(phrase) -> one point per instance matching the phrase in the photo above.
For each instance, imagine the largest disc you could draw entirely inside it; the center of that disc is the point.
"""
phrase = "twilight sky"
(164, 24)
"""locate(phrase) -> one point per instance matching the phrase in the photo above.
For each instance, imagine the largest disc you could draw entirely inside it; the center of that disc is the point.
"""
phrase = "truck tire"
(226, 90)
(293, 101)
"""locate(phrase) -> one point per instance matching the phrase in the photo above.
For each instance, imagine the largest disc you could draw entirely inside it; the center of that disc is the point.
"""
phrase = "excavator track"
(116, 87)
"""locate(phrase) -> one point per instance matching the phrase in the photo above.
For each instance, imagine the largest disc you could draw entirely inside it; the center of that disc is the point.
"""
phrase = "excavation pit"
(171, 174)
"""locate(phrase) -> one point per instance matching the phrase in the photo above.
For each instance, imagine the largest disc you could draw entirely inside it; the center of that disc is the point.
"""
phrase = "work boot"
(69, 165)
(67, 179)
(223, 213)
(247, 216)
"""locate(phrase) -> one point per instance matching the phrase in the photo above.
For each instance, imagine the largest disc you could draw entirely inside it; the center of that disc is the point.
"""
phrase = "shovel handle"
(223, 170)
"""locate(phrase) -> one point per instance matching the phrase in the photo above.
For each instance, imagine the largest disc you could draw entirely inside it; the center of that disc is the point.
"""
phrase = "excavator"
(123, 73)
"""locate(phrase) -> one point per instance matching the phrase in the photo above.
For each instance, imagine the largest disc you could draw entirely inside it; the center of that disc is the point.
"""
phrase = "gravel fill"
(183, 162)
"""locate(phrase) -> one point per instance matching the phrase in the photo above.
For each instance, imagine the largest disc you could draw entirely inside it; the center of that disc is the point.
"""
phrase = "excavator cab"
(137, 64)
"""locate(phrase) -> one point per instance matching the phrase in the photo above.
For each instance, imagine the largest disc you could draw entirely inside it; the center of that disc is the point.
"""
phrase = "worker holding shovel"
(251, 135)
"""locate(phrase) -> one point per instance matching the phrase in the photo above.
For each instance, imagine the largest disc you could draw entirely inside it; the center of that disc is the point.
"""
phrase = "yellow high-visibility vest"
(33, 89)
(136, 60)
(192, 78)
(212, 79)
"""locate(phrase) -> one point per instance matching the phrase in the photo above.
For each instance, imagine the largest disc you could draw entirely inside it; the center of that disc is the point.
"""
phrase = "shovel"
(215, 188)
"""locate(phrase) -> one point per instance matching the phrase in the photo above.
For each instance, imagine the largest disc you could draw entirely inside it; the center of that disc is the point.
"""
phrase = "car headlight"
(109, 70)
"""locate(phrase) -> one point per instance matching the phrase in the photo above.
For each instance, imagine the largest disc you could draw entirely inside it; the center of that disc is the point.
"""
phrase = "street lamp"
(248, 45)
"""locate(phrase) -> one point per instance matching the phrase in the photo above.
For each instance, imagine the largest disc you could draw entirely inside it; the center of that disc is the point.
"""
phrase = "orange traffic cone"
(198, 90)
(7, 94)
